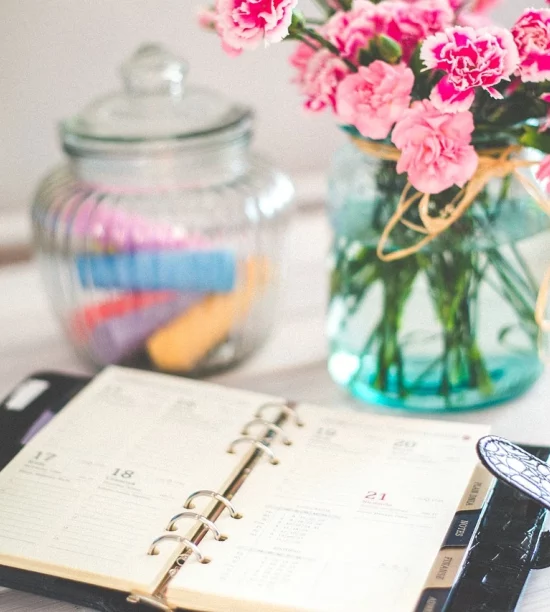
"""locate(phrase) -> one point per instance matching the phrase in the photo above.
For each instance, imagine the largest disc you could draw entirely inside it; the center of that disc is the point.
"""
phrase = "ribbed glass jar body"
(168, 259)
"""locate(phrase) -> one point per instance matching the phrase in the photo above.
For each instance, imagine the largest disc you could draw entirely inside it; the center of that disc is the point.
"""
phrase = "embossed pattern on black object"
(504, 551)
(516, 467)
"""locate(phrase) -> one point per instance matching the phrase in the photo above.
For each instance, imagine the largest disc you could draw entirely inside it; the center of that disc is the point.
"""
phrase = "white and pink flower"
(436, 149)
(245, 24)
(543, 173)
(471, 59)
(531, 33)
(320, 80)
(374, 98)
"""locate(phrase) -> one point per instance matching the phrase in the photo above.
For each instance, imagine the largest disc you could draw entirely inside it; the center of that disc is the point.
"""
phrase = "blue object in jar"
(199, 271)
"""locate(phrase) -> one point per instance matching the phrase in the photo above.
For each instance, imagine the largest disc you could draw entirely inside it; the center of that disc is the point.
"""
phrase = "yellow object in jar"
(180, 345)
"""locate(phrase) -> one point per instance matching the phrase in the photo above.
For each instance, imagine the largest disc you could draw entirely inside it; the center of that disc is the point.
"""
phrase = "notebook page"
(88, 495)
(351, 519)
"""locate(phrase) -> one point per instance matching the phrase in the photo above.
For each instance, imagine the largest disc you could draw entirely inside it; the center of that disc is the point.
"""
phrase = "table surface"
(291, 363)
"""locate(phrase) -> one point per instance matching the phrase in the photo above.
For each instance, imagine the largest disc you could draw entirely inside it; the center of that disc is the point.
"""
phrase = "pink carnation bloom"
(436, 149)
(474, 20)
(482, 6)
(543, 173)
(300, 60)
(245, 24)
(374, 98)
(408, 23)
(471, 58)
(532, 35)
(350, 31)
(321, 79)
(207, 18)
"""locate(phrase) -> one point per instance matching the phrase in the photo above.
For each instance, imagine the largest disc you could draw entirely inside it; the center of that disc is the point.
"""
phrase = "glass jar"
(161, 238)
(449, 327)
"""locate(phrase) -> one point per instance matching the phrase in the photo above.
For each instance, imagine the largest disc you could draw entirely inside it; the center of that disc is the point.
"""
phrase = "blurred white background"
(56, 55)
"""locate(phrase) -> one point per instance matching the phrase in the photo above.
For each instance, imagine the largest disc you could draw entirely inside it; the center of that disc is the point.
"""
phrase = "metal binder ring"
(259, 445)
(270, 426)
(191, 545)
(289, 409)
(214, 495)
(196, 517)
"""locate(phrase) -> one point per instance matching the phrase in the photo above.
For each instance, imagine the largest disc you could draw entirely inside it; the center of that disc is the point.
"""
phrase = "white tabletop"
(292, 363)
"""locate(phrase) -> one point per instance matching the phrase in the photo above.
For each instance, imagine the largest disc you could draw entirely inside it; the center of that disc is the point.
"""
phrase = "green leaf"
(389, 50)
(535, 139)
(383, 48)
(416, 64)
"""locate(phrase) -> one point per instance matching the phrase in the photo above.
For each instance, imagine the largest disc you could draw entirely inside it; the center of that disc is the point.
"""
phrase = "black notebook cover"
(507, 546)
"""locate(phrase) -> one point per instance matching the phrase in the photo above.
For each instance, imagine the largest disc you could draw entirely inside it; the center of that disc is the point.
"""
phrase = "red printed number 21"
(375, 496)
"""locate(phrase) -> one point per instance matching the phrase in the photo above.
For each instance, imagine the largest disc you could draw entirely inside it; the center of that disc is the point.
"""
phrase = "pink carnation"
(436, 149)
(473, 20)
(471, 58)
(321, 79)
(207, 18)
(245, 24)
(482, 6)
(543, 173)
(408, 23)
(532, 35)
(350, 31)
(300, 60)
(374, 98)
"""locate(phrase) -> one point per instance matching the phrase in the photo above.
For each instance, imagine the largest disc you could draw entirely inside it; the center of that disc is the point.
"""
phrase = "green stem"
(525, 268)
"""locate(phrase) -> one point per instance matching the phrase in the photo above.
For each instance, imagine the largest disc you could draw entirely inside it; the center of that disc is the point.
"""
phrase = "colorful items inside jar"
(156, 292)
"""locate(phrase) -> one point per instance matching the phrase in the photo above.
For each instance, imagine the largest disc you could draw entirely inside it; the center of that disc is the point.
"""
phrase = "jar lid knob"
(153, 70)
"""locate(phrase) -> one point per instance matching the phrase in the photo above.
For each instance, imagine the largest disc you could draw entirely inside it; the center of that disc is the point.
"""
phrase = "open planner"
(151, 492)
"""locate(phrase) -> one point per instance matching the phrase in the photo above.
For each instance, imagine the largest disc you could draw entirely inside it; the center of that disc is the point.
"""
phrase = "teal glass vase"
(449, 327)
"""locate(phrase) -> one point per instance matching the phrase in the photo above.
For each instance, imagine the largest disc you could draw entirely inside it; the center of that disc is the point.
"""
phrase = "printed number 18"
(123, 473)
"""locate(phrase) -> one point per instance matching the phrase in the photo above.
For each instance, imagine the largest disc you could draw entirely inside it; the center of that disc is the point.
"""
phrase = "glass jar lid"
(155, 108)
